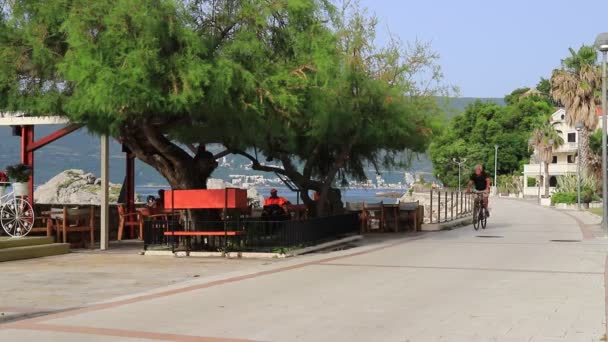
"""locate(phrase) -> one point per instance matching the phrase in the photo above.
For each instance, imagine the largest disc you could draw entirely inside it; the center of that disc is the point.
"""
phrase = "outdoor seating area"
(384, 218)
(222, 219)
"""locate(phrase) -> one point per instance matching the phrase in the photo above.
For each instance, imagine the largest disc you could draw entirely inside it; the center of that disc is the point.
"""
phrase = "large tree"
(369, 110)
(575, 86)
(164, 77)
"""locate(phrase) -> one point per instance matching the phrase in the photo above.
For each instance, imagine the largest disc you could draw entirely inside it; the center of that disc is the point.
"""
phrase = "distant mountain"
(456, 105)
(80, 150)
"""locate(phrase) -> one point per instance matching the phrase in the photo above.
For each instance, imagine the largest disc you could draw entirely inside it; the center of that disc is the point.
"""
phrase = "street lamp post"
(578, 127)
(540, 175)
(495, 168)
(601, 43)
(460, 163)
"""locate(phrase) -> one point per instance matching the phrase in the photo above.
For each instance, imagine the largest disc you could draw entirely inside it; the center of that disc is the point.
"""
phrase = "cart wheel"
(17, 217)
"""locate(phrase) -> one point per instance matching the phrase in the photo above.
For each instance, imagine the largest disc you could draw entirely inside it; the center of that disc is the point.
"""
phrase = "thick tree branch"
(222, 154)
(168, 149)
(256, 164)
(192, 148)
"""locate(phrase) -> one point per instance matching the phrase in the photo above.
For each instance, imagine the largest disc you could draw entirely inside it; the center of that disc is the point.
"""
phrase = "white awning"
(10, 119)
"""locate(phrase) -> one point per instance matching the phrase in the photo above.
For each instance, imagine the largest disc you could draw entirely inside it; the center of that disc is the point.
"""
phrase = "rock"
(74, 187)
(215, 184)
(90, 178)
(253, 196)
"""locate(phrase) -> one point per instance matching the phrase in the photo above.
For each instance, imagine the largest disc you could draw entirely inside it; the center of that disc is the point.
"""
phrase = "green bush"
(564, 197)
(531, 182)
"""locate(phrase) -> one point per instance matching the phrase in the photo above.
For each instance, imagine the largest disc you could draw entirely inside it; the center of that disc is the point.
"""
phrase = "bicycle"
(479, 214)
(16, 214)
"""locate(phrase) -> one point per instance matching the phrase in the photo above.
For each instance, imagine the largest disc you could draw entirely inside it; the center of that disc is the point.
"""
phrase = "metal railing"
(449, 205)
(253, 235)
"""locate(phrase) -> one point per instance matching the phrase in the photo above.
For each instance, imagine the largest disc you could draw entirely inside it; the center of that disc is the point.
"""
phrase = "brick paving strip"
(37, 324)
(121, 333)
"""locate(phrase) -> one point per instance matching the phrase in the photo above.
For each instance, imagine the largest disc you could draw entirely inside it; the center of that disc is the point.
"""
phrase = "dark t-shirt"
(480, 181)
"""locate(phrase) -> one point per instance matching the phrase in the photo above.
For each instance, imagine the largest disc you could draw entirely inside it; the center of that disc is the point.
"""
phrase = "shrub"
(509, 184)
(19, 173)
(570, 184)
(564, 197)
(531, 182)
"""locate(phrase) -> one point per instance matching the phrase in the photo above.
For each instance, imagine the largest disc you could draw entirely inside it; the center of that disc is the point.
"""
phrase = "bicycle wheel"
(476, 216)
(483, 219)
(17, 217)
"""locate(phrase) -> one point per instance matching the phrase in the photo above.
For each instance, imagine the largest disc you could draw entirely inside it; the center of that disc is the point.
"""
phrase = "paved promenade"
(535, 274)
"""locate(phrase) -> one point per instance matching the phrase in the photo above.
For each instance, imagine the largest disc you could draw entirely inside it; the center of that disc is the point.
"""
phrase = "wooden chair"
(43, 223)
(375, 217)
(129, 220)
(359, 208)
(409, 212)
(68, 220)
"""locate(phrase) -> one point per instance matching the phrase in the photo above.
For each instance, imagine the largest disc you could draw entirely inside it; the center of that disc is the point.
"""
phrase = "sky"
(489, 48)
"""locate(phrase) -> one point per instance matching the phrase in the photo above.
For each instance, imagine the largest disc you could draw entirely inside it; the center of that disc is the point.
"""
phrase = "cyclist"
(482, 182)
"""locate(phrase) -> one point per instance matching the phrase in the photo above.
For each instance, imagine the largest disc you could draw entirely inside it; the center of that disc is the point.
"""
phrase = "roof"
(19, 119)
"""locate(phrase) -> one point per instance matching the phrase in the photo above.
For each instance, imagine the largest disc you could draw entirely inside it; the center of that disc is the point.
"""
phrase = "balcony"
(567, 147)
(554, 169)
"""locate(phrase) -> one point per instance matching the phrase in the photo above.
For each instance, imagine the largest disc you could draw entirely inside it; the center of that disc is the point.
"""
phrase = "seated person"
(160, 201)
(275, 206)
(151, 202)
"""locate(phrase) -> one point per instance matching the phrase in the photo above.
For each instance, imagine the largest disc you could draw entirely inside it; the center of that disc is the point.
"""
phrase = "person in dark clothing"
(482, 182)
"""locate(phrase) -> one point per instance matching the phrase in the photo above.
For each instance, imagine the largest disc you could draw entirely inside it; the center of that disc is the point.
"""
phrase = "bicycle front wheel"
(476, 217)
(17, 217)
(483, 219)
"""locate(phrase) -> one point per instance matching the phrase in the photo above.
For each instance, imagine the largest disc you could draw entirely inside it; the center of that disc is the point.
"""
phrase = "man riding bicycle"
(482, 182)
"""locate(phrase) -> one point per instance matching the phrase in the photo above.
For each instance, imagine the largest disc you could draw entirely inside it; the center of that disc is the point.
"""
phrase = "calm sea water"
(348, 195)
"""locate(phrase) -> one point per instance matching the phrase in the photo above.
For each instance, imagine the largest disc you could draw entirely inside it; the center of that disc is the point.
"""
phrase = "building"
(564, 158)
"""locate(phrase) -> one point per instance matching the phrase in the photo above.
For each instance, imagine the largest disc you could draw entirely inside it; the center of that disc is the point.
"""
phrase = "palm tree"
(576, 86)
(545, 140)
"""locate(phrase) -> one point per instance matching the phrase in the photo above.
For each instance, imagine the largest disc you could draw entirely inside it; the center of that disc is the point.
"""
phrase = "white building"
(564, 158)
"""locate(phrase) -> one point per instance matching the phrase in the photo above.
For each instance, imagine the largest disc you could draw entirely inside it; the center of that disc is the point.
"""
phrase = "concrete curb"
(325, 245)
(435, 227)
(251, 255)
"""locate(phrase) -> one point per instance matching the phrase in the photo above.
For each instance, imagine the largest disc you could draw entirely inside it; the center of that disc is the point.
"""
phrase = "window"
(571, 137)
(571, 159)
(563, 116)
(554, 160)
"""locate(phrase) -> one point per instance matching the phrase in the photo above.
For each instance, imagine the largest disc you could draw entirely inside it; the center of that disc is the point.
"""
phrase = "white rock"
(253, 196)
(73, 187)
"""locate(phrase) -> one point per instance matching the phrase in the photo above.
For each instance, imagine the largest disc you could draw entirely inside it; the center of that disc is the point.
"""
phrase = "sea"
(348, 195)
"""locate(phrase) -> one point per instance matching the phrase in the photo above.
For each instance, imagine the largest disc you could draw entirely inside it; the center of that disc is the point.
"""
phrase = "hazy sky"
(489, 48)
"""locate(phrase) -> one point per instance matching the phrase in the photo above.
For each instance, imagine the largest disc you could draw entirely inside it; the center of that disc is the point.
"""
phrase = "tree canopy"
(473, 134)
(298, 80)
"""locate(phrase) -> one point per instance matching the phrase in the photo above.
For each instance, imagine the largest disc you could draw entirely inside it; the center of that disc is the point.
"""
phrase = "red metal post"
(27, 156)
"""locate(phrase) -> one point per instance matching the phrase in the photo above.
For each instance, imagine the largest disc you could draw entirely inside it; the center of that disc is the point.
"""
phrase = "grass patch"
(596, 211)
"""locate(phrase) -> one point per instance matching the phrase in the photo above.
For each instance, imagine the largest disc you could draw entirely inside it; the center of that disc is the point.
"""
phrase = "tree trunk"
(181, 169)
(585, 151)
